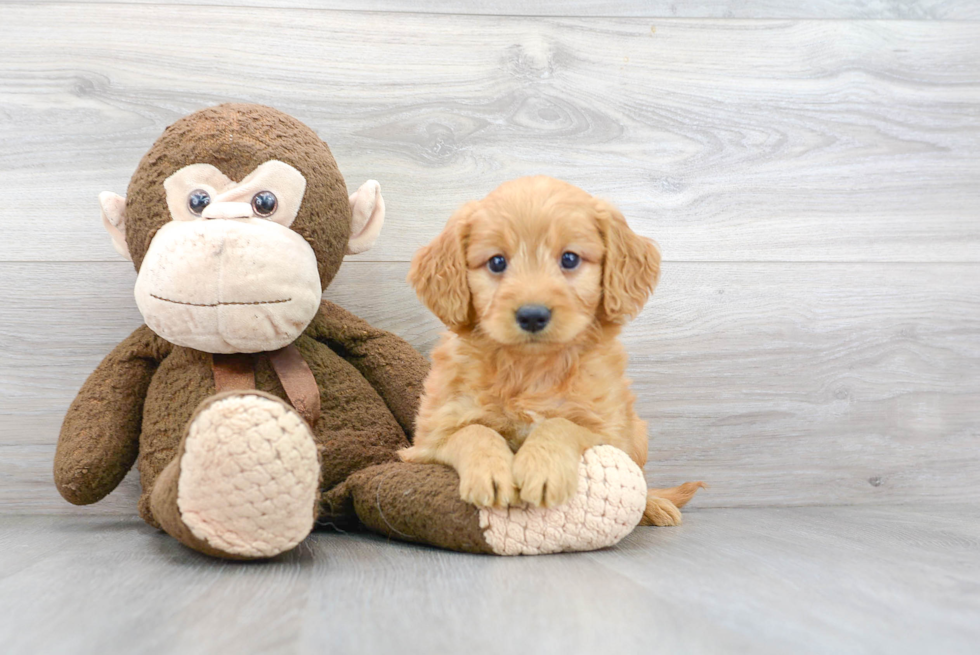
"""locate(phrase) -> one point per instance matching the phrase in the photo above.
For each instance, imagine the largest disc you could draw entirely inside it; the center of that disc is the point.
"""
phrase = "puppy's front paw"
(546, 477)
(488, 483)
(661, 512)
(413, 455)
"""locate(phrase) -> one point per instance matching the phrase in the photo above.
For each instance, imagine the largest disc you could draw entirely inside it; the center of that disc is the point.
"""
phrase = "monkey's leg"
(421, 503)
(245, 481)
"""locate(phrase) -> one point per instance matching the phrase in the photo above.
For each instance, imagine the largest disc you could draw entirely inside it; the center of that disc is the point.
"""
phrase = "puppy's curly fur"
(513, 410)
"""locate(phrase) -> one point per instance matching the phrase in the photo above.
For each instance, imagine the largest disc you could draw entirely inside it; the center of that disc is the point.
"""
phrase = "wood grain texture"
(811, 9)
(815, 339)
(801, 580)
(727, 140)
(779, 384)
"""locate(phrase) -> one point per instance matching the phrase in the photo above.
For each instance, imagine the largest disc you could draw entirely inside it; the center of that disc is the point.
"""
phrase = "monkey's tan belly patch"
(248, 477)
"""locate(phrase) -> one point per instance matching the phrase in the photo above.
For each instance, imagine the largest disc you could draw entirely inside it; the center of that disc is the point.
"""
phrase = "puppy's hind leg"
(663, 504)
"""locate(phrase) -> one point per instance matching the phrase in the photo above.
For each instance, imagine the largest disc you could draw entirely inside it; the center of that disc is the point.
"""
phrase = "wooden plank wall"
(809, 169)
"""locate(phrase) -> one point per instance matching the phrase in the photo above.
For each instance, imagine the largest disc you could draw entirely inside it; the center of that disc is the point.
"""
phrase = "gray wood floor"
(810, 170)
(793, 580)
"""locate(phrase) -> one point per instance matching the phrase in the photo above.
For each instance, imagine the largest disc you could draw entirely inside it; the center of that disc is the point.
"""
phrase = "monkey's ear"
(114, 220)
(367, 209)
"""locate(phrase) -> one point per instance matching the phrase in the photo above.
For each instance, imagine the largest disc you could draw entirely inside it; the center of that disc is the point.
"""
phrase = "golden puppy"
(534, 282)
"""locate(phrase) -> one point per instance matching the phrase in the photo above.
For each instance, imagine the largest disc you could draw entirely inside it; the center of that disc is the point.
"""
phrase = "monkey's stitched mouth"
(219, 304)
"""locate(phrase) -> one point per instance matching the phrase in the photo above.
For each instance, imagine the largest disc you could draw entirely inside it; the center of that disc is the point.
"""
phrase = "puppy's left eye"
(497, 264)
(570, 261)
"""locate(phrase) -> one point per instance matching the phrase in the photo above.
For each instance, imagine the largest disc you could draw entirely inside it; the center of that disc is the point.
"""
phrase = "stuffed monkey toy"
(252, 408)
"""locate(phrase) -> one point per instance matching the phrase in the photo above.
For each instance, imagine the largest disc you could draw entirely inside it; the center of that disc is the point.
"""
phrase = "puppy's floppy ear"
(438, 271)
(630, 268)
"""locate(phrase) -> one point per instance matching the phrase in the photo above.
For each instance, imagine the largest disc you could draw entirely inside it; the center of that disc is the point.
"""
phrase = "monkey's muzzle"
(228, 286)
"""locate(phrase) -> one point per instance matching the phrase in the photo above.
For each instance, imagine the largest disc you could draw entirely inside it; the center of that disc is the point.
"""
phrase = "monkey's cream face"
(227, 274)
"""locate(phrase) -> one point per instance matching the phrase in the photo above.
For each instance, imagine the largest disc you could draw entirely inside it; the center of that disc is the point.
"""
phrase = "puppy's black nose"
(533, 318)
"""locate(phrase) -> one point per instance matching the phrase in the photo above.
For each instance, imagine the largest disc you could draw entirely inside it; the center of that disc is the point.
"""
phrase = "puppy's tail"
(663, 504)
(678, 495)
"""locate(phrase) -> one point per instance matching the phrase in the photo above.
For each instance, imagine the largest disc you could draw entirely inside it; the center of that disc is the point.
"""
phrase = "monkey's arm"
(100, 436)
(390, 364)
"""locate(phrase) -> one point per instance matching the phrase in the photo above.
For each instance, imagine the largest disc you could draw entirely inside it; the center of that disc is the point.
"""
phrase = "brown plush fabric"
(143, 395)
(355, 428)
(233, 372)
(236, 138)
(419, 503)
(100, 435)
(299, 383)
(395, 369)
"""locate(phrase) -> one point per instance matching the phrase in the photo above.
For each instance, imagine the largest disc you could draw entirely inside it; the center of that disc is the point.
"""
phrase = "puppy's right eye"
(570, 261)
(497, 264)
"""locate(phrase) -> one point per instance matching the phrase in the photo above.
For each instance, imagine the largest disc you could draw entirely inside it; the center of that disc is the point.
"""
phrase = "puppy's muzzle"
(532, 318)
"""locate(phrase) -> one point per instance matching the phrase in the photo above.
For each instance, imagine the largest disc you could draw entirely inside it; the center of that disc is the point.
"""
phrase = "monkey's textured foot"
(608, 504)
(245, 482)
(420, 502)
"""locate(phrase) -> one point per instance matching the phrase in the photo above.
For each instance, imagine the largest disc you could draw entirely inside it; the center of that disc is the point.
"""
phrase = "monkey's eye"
(497, 264)
(197, 201)
(570, 261)
(264, 203)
